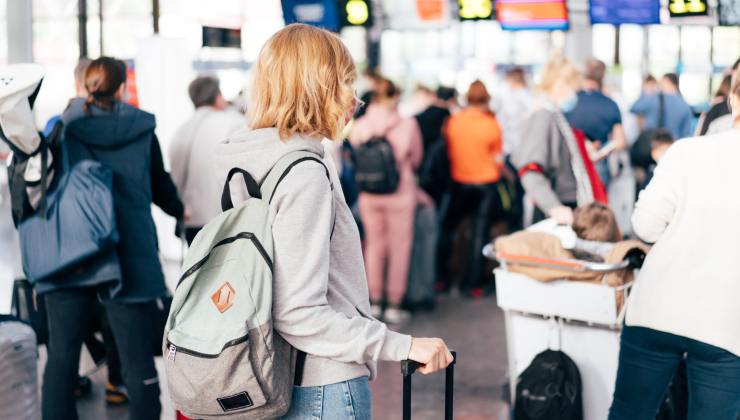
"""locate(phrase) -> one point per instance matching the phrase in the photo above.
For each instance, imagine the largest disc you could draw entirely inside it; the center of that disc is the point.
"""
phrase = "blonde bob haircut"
(558, 70)
(303, 84)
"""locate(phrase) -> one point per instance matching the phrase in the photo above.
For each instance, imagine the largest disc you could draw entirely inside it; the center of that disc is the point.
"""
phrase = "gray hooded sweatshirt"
(320, 295)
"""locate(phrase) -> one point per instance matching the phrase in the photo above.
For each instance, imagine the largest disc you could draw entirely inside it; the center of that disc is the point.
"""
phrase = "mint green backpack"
(222, 356)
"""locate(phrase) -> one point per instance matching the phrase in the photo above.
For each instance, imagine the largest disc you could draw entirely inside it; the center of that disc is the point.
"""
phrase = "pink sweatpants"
(389, 234)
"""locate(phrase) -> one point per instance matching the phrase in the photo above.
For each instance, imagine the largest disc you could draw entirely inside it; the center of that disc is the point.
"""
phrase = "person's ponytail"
(103, 78)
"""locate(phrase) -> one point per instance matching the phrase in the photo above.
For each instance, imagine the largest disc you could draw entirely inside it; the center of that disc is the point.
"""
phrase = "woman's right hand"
(430, 352)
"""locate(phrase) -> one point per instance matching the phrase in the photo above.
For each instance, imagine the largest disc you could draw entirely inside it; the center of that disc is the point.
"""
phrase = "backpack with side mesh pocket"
(222, 356)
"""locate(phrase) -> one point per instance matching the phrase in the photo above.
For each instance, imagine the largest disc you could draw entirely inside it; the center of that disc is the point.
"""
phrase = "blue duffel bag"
(77, 223)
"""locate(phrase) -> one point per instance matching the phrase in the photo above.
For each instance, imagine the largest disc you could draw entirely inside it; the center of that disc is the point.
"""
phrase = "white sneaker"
(376, 311)
(396, 316)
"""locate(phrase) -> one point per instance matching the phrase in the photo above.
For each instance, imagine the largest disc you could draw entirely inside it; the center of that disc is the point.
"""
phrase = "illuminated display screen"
(476, 9)
(222, 37)
(729, 12)
(617, 12)
(686, 8)
(321, 13)
(356, 13)
(532, 14)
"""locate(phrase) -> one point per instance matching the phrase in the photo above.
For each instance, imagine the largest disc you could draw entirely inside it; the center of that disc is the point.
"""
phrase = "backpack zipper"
(173, 349)
(243, 235)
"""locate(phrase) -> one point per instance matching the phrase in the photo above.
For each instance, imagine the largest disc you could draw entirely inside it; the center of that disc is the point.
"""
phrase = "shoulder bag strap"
(661, 110)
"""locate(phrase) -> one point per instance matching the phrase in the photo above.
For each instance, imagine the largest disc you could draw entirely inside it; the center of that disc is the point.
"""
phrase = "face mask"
(569, 104)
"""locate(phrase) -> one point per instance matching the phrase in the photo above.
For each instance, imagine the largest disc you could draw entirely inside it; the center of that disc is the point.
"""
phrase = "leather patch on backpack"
(235, 402)
(224, 297)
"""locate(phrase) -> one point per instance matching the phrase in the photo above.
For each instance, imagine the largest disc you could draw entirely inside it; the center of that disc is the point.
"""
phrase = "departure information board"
(321, 13)
(617, 12)
(688, 8)
(532, 14)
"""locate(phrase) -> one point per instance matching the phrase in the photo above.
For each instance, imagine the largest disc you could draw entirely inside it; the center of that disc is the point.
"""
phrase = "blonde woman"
(302, 93)
(554, 167)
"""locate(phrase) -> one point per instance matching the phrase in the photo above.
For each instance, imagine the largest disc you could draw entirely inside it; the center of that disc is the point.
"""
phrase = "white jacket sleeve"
(301, 312)
(658, 202)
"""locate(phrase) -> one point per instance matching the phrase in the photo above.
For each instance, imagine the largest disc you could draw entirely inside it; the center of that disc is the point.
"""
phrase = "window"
(3, 33)
(124, 23)
(56, 47)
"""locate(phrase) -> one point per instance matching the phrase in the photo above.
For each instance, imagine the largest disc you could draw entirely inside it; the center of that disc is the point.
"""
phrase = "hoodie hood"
(257, 151)
(123, 125)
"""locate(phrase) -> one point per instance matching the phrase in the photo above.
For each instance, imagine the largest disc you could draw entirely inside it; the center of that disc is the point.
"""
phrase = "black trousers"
(107, 348)
(71, 316)
(483, 202)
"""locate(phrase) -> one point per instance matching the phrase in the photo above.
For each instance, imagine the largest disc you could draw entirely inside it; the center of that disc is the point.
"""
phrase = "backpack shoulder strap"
(282, 168)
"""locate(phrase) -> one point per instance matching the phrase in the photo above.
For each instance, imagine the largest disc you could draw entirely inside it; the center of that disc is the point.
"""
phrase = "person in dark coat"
(105, 129)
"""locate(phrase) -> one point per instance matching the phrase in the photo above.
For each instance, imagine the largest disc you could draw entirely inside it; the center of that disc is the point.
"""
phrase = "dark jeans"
(71, 316)
(130, 322)
(105, 350)
(482, 201)
(648, 359)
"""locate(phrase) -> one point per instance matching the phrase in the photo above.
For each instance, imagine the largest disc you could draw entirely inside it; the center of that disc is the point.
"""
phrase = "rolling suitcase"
(19, 392)
(409, 367)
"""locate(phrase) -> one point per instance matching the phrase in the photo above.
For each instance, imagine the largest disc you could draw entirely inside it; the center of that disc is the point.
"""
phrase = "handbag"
(77, 223)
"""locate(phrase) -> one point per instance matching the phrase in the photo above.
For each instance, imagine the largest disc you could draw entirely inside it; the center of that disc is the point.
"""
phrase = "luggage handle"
(409, 367)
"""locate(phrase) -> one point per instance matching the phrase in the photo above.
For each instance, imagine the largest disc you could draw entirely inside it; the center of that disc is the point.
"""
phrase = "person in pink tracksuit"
(388, 219)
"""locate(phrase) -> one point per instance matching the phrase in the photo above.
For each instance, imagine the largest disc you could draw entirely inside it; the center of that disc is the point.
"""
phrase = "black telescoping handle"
(409, 367)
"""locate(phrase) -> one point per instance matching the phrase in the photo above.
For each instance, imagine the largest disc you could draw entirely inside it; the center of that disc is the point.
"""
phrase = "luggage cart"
(582, 317)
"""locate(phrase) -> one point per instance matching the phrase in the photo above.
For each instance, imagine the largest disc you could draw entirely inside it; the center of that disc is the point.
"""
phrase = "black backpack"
(549, 389)
(376, 171)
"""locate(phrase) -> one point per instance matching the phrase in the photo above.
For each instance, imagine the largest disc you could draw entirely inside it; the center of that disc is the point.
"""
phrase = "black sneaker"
(83, 388)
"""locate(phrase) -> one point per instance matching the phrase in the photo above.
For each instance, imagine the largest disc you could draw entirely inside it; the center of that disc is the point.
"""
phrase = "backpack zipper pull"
(171, 353)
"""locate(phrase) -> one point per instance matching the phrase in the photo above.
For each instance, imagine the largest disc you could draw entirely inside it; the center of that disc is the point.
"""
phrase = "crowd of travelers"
(408, 205)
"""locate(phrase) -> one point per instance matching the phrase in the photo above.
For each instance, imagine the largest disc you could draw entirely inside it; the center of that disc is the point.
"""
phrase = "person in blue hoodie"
(129, 279)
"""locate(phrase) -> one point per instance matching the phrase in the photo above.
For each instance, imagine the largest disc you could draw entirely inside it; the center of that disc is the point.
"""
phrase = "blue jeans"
(648, 360)
(344, 400)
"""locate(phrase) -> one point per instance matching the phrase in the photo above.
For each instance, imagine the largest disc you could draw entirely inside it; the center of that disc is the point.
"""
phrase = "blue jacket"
(124, 140)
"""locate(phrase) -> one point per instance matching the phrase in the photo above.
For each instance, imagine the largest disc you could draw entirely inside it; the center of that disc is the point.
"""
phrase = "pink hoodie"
(405, 139)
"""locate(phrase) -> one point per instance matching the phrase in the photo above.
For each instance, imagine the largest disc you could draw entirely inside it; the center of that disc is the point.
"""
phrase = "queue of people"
(479, 160)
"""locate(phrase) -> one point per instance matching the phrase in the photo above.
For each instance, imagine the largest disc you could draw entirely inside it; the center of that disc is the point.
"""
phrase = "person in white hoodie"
(192, 152)
(685, 301)
(302, 93)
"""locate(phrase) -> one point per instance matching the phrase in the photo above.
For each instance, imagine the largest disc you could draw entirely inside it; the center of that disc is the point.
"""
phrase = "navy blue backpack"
(76, 222)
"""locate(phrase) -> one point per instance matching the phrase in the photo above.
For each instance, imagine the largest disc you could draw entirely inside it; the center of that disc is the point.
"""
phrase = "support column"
(579, 39)
(20, 31)
(82, 27)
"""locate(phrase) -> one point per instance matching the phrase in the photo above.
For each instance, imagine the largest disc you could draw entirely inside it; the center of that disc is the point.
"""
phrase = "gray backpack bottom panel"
(209, 388)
